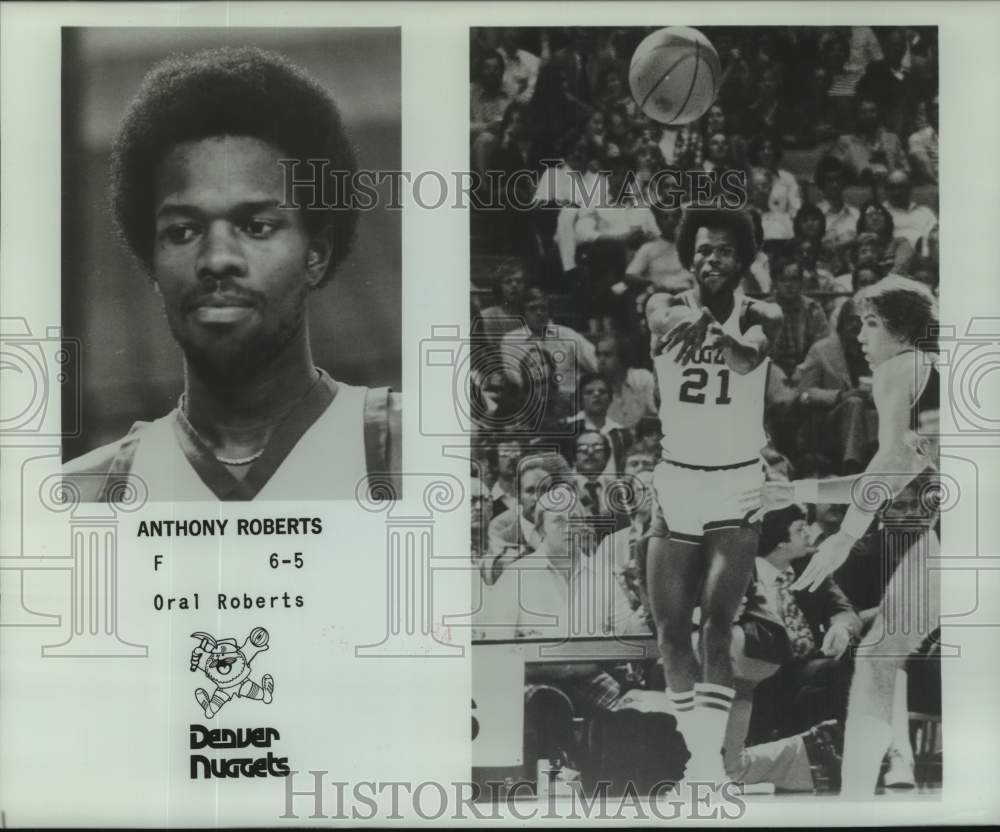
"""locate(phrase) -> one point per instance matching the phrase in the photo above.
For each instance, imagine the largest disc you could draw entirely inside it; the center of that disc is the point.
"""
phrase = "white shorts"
(692, 501)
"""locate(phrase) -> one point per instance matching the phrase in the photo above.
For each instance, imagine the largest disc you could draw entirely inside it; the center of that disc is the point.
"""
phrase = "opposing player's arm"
(744, 353)
(896, 462)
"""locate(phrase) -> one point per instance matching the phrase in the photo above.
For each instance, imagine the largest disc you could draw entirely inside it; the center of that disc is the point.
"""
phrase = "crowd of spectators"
(834, 133)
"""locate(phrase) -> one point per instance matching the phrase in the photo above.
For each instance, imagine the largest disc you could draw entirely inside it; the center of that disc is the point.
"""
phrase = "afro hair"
(236, 92)
(738, 223)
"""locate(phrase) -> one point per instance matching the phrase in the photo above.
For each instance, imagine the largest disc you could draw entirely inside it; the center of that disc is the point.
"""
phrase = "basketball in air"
(674, 75)
(258, 637)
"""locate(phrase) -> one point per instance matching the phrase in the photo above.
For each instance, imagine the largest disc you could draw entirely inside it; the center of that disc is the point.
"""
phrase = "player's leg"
(730, 553)
(909, 612)
(674, 570)
(674, 574)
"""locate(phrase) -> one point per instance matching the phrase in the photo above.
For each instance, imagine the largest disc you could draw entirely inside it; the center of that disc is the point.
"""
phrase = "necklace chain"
(225, 460)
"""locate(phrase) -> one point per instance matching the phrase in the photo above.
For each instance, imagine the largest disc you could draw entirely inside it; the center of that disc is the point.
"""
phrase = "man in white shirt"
(633, 389)
(841, 218)
(910, 221)
(521, 67)
(595, 395)
(512, 533)
(559, 590)
(816, 629)
(508, 455)
(569, 351)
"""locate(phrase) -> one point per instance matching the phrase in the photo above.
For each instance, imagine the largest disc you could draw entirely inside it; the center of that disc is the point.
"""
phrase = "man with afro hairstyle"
(710, 347)
(207, 192)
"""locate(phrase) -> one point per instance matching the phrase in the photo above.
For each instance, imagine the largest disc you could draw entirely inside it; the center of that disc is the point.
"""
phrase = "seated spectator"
(835, 81)
(520, 67)
(633, 389)
(508, 312)
(607, 234)
(891, 85)
(816, 280)
(804, 321)
(488, 101)
(512, 534)
(648, 435)
(507, 454)
(775, 225)
(550, 592)
(865, 253)
(595, 395)
(926, 271)
(503, 158)
(910, 221)
(625, 549)
(871, 152)
(656, 264)
(841, 218)
(756, 281)
(923, 143)
(865, 48)
(895, 253)
(540, 406)
(567, 350)
(811, 685)
(835, 396)
(480, 514)
(615, 94)
(592, 452)
(792, 665)
(765, 150)
(864, 275)
(682, 147)
(809, 226)
(718, 156)
(768, 113)
(553, 111)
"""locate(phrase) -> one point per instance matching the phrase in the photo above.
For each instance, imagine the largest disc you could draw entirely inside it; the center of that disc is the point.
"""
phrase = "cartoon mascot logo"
(227, 666)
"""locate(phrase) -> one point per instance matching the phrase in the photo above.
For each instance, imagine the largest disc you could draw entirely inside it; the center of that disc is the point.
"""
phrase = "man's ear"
(318, 256)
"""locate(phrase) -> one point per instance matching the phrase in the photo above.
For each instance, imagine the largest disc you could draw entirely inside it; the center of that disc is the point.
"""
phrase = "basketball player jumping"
(898, 320)
(712, 372)
(199, 194)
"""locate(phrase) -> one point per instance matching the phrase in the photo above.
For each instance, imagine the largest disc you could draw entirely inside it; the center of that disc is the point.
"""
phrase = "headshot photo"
(237, 309)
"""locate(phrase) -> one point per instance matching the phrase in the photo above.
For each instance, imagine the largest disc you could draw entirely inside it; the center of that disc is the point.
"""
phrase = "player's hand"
(770, 497)
(832, 553)
(619, 288)
(689, 335)
(836, 641)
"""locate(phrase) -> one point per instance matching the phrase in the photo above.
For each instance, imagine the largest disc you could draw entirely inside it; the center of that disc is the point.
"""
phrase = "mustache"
(219, 293)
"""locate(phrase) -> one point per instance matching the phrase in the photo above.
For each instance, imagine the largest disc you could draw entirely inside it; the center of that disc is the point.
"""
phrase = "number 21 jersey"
(711, 416)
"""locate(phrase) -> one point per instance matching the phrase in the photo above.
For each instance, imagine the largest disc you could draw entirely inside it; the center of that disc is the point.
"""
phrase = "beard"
(242, 356)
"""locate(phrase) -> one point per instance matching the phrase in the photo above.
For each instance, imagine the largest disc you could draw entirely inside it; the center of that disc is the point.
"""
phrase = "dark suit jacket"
(766, 637)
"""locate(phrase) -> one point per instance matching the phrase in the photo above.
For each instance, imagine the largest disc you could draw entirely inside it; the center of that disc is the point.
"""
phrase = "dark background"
(131, 368)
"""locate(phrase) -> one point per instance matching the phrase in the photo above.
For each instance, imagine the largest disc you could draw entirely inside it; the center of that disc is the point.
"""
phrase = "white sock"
(682, 707)
(901, 719)
(866, 739)
(712, 704)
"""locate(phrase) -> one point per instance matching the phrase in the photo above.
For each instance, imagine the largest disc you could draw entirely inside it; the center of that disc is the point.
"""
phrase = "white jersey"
(327, 462)
(711, 416)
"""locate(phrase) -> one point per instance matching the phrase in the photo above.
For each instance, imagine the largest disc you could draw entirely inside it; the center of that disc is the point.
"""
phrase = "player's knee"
(716, 635)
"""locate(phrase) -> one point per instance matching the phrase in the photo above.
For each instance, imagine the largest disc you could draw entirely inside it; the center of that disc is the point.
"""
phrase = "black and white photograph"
(238, 312)
(704, 282)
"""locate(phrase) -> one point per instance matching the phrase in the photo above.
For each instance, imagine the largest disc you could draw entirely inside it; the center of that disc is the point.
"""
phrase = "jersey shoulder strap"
(103, 475)
(383, 450)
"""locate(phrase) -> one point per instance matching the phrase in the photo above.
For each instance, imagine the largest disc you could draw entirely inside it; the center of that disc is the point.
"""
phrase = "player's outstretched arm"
(744, 353)
(658, 308)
